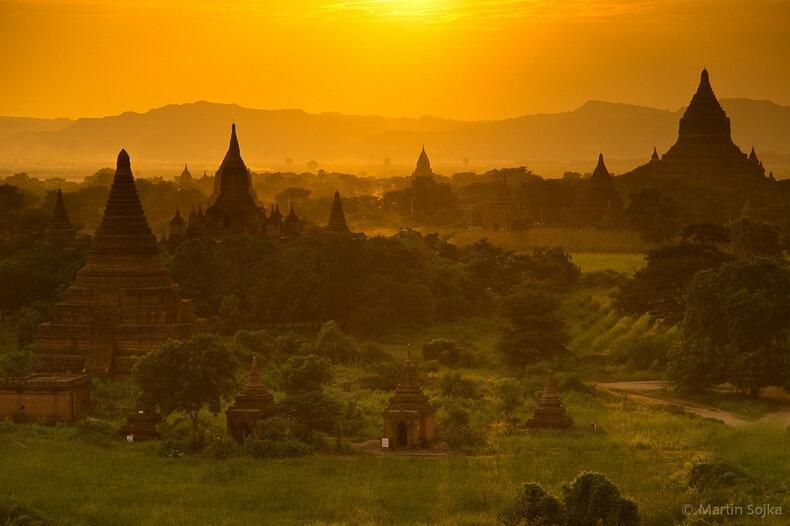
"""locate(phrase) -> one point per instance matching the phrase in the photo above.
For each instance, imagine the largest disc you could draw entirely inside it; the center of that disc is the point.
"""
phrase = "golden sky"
(466, 59)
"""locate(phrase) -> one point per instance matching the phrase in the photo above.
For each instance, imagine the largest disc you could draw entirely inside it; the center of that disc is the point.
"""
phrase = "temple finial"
(123, 160)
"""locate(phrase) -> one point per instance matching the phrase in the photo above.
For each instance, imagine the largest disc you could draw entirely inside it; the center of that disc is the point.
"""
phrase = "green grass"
(740, 405)
(640, 448)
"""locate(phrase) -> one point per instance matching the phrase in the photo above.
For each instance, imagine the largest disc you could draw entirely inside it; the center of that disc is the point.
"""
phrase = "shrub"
(591, 497)
(383, 376)
(14, 514)
(456, 385)
(710, 474)
(16, 362)
(98, 432)
(533, 506)
(456, 428)
(333, 344)
(267, 448)
(221, 449)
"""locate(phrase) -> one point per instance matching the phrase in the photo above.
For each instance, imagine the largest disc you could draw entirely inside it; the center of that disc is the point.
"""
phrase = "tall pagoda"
(599, 200)
(704, 146)
(59, 229)
(233, 203)
(123, 302)
(423, 168)
(408, 418)
(337, 219)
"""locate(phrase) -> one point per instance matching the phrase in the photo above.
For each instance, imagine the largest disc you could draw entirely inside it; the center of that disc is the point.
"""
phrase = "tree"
(658, 288)
(293, 194)
(186, 376)
(533, 506)
(706, 234)
(757, 239)
(591, 497)
(736, 327)
(311, 408)
(536, 330)
(653, 214)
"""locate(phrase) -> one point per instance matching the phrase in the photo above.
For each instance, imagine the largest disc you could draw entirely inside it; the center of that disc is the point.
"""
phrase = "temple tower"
(408, 418)
(292, 226)
(599, 200)
(123, 302)
(423, 168)
(254, 404)
(59, 229)
(549, 414)
(233, 203)
(177, 226)
(337, 219)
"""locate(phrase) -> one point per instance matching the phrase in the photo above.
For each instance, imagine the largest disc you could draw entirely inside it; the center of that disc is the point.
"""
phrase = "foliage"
(533, 506)
(447, 352)
(591, 497)
(334, 345)
(653, 214)
(98, 432)
(536, 331)
(736, 327)
(267, 448)
(186, 376)
(14, 514)
(459, 386)
(15, 362)
(455, 426)
(658, 288)
(305, 373)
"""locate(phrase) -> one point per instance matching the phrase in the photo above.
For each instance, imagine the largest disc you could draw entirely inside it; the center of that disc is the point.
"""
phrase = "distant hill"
(198, 132)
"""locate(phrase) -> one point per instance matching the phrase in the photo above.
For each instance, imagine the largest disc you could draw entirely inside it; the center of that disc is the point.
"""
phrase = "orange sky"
(467, 59)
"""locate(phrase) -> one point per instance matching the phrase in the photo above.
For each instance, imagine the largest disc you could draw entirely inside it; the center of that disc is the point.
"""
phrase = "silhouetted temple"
(502, 211)
(423, 168)
(233, 207)
(123, 302)
(704, 147)
(252, 405)
(408, 418)
(337, 219)
(599, 201)
(549, 414)
(59, 229)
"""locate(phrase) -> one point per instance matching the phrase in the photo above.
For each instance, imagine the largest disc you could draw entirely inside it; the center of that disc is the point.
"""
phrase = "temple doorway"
(402, 438)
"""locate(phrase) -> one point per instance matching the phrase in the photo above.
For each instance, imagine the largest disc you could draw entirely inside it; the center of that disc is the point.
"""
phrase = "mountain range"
(198, 133)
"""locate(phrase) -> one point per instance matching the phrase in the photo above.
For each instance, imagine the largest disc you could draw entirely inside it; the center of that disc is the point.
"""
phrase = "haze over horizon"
(453, 59)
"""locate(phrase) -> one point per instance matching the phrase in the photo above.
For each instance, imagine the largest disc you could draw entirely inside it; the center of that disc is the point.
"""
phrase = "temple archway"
(402, 435)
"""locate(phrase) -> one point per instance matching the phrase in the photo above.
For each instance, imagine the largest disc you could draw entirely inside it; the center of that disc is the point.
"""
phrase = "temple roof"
(704, 115)
(59, 217)
(337, 219)
(408, 395)
(232, 184)
(654, 157)
(423, 168)
(124, 228)
(185, 174)
(291, 214)
(600, 171)
(177, 219)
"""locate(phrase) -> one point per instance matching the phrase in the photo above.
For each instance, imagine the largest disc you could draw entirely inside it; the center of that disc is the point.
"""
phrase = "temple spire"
(337, 219)
(600, 169)
(423, 168)
(654, 157)
(59, 227)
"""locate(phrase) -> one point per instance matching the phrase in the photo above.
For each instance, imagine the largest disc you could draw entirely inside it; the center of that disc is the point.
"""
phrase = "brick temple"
(549, 414)
(51, 398)
(337, 218)
(251, 406)
(59, 228)
(408, 418)
(123, 302)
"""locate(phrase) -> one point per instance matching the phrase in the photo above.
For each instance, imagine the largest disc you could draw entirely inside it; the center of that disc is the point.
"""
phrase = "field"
(69, 479)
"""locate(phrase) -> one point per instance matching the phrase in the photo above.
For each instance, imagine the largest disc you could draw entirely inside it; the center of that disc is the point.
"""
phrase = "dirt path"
(640, 391)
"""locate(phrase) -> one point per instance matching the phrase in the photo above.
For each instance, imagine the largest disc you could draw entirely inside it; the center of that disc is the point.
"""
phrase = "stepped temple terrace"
(337, 219)
(123, 302)
(549, 414)
(408, 418)
(704, 146)
(252, 405)
(50, 398)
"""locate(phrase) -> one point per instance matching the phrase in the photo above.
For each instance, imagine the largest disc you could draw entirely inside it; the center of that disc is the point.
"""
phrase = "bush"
(98, 432)
(456, 428)
(267, 448)
(16, 362)
(533, 506)
(221, 449)
(14, 514)
(447, 352)
(591, 497)
(455, 385)
(383, 376)
(710, 474)
(333, 344)
(259, 342)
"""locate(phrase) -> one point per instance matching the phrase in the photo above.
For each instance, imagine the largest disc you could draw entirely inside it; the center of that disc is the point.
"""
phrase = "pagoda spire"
(600, 169)
(59, 227)
(654, 157)
(337, 219)
(423, 168)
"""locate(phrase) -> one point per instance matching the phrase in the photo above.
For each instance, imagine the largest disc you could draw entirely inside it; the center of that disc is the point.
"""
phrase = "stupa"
(233, 204)
(549, 414)
(423, 168)
(704, 146)
(59, 229)
(337, 219)
(408, 418)
(599, 200)
(123, 302)
(252, 405)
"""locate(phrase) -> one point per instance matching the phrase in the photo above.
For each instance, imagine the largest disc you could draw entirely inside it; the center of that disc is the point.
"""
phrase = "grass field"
(71, 481)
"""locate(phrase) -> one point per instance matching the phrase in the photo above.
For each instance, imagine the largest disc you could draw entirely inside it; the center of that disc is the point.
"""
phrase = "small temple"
(599, 201)
(59, 229)
(408, 418)
(549, 414)
(123, 302)
(251, 406)
(140, 426)
(337, 219)
(704, 146)
(50, 398)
